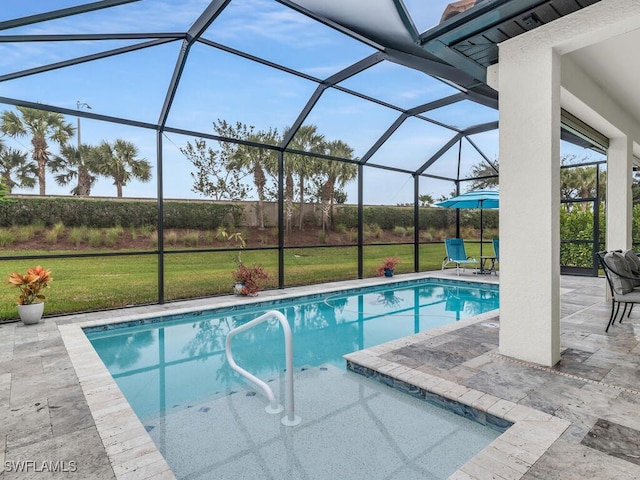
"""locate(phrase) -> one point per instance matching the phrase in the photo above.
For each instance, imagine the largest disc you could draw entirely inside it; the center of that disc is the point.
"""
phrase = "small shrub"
(6, 238)
(94, 237)
(399, 231)
(54, 233)
(112, 235)
(209, 237)
(191, 238)
(148, 229)
(411, 231)
(352, 235)
(38, 226)
(171, 238)
(52, 236)
(468, 232)
(77, 235)
(58, 227)
(133, 232)
(25, 233)
(323, 236)
(426, 236)
(373, 230)
(153, 238)
(340, 228)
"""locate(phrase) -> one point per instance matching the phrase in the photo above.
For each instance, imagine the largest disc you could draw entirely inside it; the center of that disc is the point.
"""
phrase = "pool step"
(352, 427)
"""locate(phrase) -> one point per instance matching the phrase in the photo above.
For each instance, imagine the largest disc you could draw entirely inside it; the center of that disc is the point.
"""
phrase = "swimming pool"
(174, 372)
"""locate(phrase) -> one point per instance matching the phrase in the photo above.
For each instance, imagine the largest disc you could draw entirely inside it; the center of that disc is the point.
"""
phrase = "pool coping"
(515, 451)
(134, 456)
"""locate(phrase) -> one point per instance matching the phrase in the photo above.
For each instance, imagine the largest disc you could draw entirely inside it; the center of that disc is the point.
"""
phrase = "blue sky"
(218, 85)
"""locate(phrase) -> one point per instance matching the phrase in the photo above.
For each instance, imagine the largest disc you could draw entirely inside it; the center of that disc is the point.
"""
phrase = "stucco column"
(529, 85)
(619, 198)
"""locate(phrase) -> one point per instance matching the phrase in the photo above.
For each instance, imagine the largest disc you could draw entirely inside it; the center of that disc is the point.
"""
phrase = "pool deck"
(61, 412)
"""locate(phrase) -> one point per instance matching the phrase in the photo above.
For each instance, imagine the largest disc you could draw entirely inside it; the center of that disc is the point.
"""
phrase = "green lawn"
(82, 284)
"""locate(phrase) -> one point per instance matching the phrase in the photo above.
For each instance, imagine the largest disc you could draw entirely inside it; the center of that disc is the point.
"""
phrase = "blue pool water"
(160, 365)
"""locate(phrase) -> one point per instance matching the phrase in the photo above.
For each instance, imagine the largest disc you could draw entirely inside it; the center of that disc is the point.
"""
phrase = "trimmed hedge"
(106, 213)
(102, 213)
(388, 218)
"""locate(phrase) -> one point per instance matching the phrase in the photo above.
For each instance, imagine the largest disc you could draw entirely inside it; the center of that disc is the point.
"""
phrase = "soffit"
(611, 65)
(469, 40)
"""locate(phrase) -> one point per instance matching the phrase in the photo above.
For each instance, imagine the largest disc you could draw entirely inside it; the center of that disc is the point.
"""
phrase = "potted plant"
(387, 266)
(249, 279)
(30, 304)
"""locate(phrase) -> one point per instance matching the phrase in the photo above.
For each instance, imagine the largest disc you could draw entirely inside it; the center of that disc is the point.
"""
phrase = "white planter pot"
(31, 314)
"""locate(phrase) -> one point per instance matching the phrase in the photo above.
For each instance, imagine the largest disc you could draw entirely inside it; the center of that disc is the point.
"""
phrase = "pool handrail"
(290, 419)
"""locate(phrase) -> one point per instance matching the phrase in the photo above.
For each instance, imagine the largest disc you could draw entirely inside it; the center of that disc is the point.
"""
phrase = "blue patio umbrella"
(475, 199)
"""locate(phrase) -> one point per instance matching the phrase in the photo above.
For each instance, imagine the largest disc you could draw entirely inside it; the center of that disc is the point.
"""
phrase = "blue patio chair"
(496, 250)
(457, 254)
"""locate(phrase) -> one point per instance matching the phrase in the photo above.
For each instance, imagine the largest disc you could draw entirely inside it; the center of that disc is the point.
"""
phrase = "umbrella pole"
(481, 228)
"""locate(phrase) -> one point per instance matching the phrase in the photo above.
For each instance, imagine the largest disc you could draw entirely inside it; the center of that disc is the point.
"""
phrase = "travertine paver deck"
(580, 419)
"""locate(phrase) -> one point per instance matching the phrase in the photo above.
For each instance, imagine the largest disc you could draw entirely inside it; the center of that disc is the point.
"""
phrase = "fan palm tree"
(578, 182)
(74, 164)
(42, 126)
(306, 139)
(259, 161)
(16, 170)
(119, 161)
(335, 174)
(289, 186)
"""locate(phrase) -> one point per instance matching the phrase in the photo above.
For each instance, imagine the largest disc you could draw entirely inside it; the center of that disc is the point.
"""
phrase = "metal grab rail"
(290, 419)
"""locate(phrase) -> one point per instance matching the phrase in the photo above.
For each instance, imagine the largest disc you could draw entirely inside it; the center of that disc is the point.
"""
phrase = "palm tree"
(335, 172)
(425, 200)
(289, 168)
(118, 161)
(577, 182)
(306, 139)
(259, 161)
(587, 180)
(16, 170)
(42, 126)
(75, 164)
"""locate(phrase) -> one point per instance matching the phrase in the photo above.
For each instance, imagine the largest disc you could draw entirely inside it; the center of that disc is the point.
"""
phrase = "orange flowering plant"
(388, 263)
(252, 278)
(30, 284)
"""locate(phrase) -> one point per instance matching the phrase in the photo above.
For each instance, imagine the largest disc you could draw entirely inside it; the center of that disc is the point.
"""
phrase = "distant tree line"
(222, 173)
(228, 172)
(577, 181)
(77, 165)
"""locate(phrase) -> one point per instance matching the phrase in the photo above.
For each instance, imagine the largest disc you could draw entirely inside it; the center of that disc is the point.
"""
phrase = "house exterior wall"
(536, 77)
